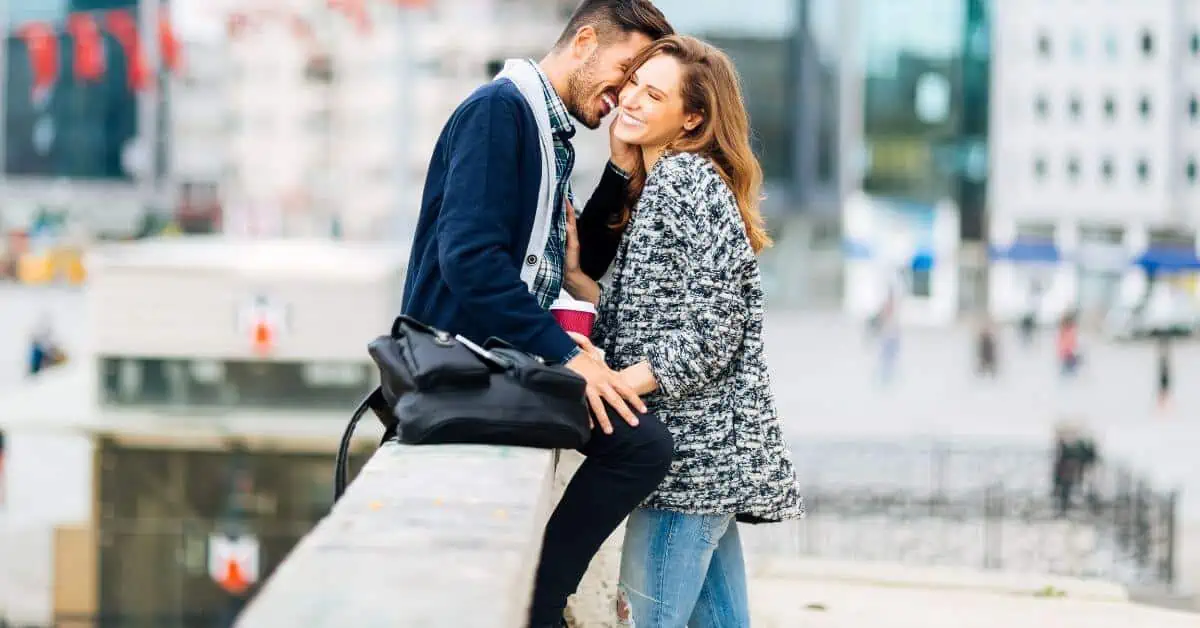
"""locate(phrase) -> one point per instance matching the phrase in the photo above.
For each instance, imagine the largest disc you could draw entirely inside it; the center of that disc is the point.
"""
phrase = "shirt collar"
(560, 121)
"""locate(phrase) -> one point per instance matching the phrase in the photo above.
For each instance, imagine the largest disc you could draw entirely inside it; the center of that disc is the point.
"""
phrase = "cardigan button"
(531, 260)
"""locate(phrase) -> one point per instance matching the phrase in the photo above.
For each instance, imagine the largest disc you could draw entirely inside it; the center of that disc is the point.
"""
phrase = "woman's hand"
(575, 281)
(640, 378)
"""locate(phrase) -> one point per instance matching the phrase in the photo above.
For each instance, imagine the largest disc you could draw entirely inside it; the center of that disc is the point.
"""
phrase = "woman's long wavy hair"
(711, 89)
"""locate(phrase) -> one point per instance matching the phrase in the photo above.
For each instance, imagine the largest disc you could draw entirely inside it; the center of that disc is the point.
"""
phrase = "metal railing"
(932, 503)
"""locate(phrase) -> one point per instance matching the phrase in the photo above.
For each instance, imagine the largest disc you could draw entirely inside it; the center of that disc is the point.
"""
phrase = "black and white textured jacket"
(685, 293)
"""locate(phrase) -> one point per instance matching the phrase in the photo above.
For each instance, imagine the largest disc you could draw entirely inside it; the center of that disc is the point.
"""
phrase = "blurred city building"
(80, 120)
(789, 56)
(332, 116)
(202, 414)
(1095, 153)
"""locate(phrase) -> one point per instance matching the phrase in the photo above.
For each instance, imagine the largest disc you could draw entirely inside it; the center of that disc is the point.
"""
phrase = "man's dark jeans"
(621, 470)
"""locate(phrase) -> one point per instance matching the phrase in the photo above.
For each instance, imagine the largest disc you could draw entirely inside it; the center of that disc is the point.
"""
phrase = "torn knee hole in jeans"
(625, 616)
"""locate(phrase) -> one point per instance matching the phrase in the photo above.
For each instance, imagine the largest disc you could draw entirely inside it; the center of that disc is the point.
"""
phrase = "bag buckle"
(443, 339)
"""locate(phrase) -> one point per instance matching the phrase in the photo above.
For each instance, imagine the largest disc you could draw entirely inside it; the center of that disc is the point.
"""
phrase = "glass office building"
(787, 53)
(925, 102)
(921, 108)
(789, 87)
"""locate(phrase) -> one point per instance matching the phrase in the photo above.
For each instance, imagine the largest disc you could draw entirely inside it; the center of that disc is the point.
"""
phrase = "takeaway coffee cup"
(573, 315)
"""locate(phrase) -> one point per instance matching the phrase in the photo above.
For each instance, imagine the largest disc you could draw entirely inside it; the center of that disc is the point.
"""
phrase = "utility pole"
(400, 218)
(146, 143)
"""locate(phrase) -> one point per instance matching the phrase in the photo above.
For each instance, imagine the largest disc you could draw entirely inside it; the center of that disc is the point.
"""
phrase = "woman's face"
(652, 105)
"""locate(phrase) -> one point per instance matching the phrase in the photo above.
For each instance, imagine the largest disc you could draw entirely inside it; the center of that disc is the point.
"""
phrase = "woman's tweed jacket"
(686, 294)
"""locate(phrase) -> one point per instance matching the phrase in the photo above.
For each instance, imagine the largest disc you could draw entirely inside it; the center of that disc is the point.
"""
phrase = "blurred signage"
(233, 562)
(263, 321)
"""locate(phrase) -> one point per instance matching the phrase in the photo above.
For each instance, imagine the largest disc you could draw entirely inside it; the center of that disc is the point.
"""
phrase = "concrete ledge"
(425, 536)
(935, 578)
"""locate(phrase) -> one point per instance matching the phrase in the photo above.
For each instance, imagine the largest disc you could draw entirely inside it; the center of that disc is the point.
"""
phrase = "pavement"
(823, 602)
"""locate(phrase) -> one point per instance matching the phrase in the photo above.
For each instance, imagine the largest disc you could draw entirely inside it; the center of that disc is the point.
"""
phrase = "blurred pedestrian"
(1028, 322)
(1027, 326)
(1164, 373)
(889, 339)
(44, 350)
(1068, 344)
(986, 350)
(1074, 459)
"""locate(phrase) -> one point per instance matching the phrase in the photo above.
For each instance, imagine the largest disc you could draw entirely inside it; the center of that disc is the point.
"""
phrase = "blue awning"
(1169, 260)
(922, 261)
(1036, 252)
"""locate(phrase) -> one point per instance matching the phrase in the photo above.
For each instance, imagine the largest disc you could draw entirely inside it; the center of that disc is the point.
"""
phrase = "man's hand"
(605, 385)
(624, 156)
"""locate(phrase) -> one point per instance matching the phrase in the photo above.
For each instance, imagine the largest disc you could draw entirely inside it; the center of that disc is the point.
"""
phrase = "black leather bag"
(436, 388)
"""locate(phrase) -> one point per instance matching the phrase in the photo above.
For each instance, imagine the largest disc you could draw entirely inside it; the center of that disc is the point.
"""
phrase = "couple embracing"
(686, 441)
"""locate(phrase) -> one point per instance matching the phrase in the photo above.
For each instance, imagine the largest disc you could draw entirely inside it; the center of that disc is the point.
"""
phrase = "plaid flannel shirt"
(548, 280)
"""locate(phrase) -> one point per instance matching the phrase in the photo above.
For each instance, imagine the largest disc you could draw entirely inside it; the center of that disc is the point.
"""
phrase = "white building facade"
(330, 124)
(1094, 140)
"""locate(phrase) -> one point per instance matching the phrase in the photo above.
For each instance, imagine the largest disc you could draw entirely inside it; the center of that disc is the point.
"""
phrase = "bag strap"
(376, 403)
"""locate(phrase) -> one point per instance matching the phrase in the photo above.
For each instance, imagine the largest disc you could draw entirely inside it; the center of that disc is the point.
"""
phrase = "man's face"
(594, 86)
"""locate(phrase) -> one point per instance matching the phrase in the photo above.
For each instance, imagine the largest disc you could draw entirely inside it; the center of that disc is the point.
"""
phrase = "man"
(489, 258)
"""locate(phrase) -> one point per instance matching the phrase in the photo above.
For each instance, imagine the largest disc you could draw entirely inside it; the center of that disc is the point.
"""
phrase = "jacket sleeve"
(704, 247)
(476, 231)
(597, 240)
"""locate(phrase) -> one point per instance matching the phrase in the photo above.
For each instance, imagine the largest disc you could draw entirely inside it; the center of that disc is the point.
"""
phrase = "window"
(1147, 43)
(1143, 170)
(1193, 108)
(1075, 107)
(1043, 45)
(1170, 237)
(317, 121)
(1041, 107)
(1194, 44)
(1107, 169)
(1110, 107)
(142, 381)
(1040, 168)
(319, 69)
(1101, 234)
(1077, 45)
(1073, 169)
(1190, 170)
(1110, 46)
(1035, 231)
(1144, 107)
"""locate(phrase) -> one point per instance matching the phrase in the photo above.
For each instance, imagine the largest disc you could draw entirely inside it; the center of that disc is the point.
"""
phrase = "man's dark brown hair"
(617, 17)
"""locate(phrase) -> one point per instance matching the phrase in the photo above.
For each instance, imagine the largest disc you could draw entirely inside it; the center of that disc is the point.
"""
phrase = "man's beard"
(581, 91)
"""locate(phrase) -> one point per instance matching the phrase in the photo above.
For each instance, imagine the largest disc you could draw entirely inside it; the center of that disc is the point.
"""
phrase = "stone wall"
(433, 536)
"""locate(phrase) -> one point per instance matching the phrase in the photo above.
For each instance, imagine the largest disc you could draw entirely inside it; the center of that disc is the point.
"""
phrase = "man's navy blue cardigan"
(477, 211)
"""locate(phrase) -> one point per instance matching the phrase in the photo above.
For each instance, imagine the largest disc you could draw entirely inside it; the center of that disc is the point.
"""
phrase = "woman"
(682, 319)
